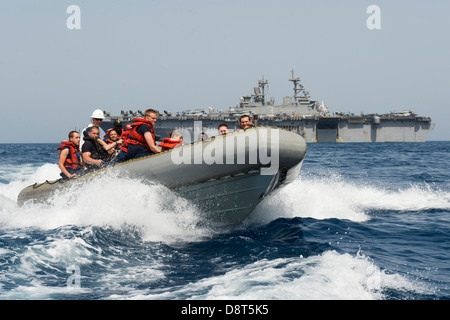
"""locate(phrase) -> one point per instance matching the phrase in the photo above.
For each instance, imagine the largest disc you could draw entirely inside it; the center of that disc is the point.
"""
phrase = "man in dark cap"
(118, 127)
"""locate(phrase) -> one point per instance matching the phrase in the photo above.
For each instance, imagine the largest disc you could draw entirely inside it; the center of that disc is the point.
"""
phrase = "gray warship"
(298, 113)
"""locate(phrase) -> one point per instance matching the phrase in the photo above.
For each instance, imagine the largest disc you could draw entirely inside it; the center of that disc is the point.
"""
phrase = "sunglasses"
(98, 119)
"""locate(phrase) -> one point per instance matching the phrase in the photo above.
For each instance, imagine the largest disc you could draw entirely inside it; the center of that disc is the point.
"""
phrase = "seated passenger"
(117, 126)
(95, 150)
(113, 138)
(245, 122)
(97, 119)
(175, 139)
(223, 129)
(70, 160)
(141, 138)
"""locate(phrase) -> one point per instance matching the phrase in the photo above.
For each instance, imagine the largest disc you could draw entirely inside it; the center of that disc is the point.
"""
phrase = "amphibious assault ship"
(299, 113)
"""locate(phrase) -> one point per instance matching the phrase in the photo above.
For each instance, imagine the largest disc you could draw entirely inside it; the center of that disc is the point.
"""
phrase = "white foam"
(30, 265)
(331, 197)
(109, 200)
(23, 176)
(37, 291)
(114, 200)
(328, 276)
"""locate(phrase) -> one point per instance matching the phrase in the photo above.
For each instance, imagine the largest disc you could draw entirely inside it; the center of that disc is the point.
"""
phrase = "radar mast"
(260, 92)
(298, 87)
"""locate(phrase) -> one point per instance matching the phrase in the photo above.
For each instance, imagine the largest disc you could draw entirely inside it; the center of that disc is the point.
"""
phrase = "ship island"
(298, 113)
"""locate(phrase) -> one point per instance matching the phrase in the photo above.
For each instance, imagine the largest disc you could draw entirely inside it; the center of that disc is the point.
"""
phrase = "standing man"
(141, 139)
(97, 119)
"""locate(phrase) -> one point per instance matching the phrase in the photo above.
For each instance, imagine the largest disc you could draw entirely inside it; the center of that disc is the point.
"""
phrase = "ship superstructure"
(299, 113)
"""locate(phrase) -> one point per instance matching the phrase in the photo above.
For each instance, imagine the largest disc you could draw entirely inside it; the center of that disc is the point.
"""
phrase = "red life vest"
(124, 136)
(169, 143)
(136, 138)
(72, 160)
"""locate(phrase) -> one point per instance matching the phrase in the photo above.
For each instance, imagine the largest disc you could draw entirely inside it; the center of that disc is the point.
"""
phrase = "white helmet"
(98, 114)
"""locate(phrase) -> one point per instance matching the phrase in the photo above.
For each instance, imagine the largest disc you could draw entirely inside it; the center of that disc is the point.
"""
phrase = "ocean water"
(362, 221)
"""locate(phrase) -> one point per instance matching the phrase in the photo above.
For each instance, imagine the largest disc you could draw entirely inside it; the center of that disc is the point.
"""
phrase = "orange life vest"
(169, 143)
(124, 136)
(74, 156)
(136, 138)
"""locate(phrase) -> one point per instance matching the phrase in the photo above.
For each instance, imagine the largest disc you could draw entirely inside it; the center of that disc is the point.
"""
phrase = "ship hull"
(317, 129)
(309, 118)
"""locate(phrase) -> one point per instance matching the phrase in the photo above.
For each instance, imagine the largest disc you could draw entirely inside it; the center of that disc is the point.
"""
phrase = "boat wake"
(115, 201)
(328, 276)
(332, 197)
(125, 232)
(109, 200)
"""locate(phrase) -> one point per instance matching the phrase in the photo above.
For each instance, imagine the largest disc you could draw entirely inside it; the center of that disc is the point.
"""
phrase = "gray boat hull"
(225, 177)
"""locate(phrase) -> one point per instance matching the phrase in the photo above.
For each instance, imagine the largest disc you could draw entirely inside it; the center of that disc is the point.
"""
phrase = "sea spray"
(331, 275)
(326, 197)
(385, 237)
(111, 200)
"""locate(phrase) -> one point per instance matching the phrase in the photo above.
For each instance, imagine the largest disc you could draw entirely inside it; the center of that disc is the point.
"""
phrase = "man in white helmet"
(97, 118)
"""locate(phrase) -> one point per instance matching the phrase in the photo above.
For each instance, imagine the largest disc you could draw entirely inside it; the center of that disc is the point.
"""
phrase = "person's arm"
(62, 158)
(110, 146)
(87, 159)
(87, 149)
(149, 139)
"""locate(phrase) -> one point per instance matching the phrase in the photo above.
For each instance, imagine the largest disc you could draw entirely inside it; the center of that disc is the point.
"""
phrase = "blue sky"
(173, 55)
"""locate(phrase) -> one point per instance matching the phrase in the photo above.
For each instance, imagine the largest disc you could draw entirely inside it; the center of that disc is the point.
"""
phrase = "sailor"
(97, 119)
(70, 159)
(223, 129)
(117, 126)
(176, 138)
(121, 133)
(113, 138)
(95, 150)
(245, 122)
(141, 138)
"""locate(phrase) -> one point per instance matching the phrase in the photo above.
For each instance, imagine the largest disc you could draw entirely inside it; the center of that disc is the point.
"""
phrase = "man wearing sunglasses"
(97, 119)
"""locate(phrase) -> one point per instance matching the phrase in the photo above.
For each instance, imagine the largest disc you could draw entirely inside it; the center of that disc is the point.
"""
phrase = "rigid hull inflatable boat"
(226, 177)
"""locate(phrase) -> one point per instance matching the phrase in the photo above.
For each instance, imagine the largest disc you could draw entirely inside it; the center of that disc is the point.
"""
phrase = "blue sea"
(362, 221)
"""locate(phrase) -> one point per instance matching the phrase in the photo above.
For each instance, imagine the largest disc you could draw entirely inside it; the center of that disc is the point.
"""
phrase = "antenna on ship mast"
(260, 95)
(297, 86)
